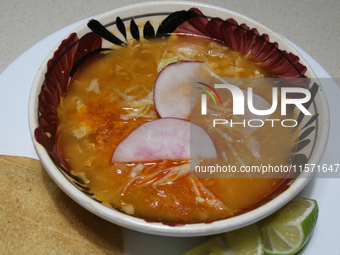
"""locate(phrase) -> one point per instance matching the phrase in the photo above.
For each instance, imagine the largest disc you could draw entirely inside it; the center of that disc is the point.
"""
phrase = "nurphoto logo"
(243, 101)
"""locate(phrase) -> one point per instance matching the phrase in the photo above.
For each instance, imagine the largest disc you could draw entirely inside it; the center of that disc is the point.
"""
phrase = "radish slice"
(166, 138)
(172, 91)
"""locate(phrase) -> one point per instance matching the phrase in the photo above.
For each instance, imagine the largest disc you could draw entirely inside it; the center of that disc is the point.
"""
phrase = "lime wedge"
(283, 233)
(246, 240)
(242, 241)
(287, 231)
(214, 246)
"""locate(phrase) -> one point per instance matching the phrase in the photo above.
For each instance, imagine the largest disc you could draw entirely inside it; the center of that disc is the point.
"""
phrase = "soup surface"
(113, 96)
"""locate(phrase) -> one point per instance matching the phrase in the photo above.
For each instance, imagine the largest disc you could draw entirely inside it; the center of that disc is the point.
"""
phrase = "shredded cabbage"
(166, 61)
(236, 155)
(124, 96)
(137, 107)
(174, 174)
(94, 87)
(219, 108)
(224, 135)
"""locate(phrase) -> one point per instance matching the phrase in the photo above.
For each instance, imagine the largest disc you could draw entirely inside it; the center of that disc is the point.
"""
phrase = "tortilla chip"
(37, 217)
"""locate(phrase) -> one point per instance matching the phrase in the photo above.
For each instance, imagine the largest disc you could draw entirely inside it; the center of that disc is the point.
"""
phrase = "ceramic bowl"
(280, 56)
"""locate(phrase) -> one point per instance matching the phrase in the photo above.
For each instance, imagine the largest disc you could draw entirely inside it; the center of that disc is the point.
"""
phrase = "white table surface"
(29, 29)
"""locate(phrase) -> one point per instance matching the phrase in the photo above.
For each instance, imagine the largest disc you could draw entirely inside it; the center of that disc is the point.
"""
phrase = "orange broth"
(110, 98)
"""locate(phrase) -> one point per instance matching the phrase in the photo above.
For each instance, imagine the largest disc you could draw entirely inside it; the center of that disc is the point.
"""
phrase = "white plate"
(15, 84)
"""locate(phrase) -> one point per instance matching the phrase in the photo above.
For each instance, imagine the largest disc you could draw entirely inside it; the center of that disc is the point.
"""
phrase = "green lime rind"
(214, 246)
(246, 240)
(243, 241)
(289, 229)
